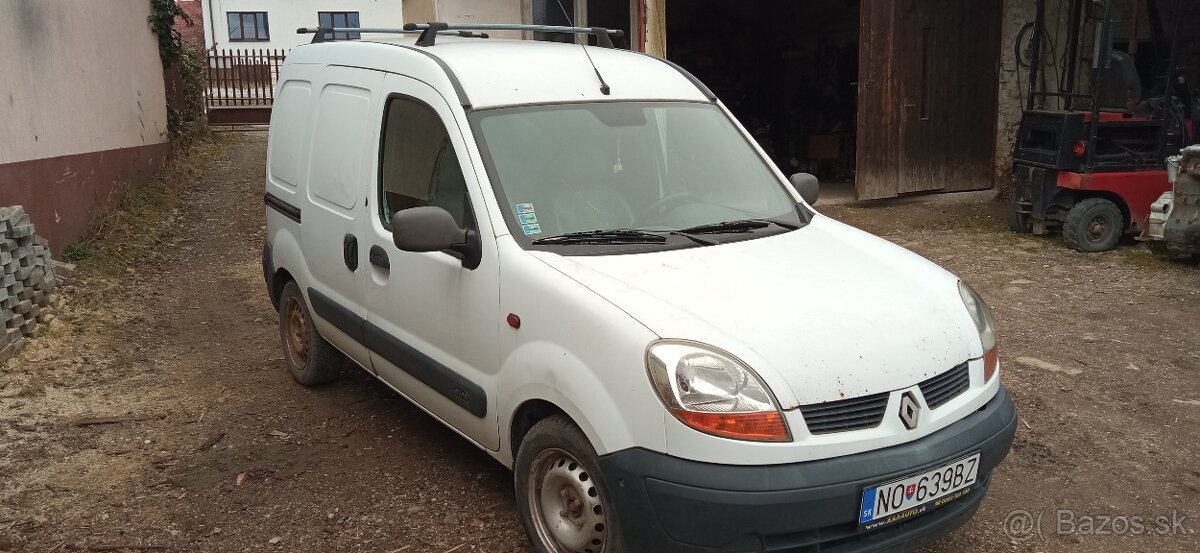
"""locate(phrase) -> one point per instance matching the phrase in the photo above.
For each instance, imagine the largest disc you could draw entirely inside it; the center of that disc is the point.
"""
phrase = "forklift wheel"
(1093, 225)
(1018, 222)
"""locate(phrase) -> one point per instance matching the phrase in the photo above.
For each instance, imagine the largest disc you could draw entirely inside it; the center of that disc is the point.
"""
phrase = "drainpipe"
(212, 24)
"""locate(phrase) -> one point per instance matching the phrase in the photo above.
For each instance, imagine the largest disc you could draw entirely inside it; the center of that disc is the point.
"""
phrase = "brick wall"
(194, 34)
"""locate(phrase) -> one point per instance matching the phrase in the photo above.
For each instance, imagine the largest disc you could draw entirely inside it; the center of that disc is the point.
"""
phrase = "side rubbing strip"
(343, 319)
(288, 210)
(458, 87)
(441, 378)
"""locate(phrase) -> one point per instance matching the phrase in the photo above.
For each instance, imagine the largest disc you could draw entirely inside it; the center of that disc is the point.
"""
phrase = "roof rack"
(322, 34)
(433, 28)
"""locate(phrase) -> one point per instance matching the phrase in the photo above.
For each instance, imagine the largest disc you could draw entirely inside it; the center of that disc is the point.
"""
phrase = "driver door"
(433, 327)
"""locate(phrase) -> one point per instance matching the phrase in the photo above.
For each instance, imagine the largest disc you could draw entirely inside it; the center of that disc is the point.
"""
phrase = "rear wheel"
(1093, 225)
(309, 358)
(561, 494)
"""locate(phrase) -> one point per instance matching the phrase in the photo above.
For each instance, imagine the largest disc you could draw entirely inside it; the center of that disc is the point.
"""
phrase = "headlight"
(713, 392)
(982, 315)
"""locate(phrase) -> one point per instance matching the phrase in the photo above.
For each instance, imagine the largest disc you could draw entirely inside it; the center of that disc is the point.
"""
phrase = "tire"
(561, 495)
(1093, 225)
(311, 360)
(1018, 222)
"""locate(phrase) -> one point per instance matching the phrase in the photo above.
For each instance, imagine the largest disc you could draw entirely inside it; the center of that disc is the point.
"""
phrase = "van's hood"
(821, 313)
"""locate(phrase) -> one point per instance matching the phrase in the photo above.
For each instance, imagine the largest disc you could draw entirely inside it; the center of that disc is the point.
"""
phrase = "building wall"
(420, 11)
(285, 16)
(82, 109)
(656, 28)
(467, 11)
(480, 11)
(507, 11)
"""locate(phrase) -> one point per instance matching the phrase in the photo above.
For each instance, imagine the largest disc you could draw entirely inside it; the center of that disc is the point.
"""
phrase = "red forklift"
(1102, 116)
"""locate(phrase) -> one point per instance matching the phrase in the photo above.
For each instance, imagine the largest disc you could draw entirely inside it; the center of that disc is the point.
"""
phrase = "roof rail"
(321, 34)
(603, 36)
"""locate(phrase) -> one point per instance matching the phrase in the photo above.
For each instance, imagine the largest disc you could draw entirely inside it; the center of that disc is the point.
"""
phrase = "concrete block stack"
(27, 281)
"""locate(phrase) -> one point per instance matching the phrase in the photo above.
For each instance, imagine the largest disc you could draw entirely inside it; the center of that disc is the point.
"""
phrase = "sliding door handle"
(379, 258)
(350, 252)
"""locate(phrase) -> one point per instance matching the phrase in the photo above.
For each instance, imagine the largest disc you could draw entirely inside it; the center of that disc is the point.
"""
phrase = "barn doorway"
(788, 70)
(924, 119)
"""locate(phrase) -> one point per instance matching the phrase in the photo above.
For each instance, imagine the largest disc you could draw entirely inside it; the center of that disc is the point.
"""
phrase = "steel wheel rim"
(296, 333)
(1097, 229)
(568, 514)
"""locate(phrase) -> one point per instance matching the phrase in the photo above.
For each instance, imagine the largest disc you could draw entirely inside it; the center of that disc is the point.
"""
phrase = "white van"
(596, 276)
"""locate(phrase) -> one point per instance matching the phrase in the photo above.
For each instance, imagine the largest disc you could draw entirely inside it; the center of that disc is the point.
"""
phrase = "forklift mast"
(1169, 133)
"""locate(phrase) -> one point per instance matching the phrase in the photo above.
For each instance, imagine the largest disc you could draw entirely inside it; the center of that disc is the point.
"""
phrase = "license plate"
(912, 496)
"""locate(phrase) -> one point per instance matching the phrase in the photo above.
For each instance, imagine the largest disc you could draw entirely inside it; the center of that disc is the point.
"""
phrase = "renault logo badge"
(910, 410)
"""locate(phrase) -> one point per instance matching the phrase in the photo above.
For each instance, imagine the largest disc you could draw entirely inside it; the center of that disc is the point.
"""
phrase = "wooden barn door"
(927, 96)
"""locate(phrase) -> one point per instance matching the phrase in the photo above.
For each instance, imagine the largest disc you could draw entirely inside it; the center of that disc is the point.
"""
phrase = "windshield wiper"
(745, 225)
(614, 236)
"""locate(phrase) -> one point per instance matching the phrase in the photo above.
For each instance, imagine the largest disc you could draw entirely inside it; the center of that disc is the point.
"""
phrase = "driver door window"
(418, 165)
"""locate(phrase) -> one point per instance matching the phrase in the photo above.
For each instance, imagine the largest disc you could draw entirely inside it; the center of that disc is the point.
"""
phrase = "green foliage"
(176, 58)
(192, 76)
(162, 21)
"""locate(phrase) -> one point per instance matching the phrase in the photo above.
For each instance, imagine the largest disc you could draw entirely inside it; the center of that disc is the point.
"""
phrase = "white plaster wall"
(75, 78)
(482, 11)
(285, 16)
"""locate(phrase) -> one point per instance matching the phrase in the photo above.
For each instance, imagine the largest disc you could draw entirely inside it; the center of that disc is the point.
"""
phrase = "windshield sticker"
(527, 218)
(524, 208)
(531, 229)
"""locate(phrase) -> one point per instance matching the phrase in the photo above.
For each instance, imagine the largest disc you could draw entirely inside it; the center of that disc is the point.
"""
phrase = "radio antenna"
(604, 88)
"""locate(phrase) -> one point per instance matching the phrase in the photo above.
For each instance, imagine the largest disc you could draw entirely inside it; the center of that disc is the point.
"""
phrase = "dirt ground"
(216, 449)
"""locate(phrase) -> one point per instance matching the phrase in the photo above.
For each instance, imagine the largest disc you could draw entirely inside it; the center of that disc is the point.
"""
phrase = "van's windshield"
(655, 167)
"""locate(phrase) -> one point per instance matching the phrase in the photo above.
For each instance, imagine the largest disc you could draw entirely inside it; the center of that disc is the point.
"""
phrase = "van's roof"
(491, 73)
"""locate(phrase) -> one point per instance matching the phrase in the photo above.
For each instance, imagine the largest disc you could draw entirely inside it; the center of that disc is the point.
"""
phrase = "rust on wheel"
(1097, 229)
(295, 333)
(568, 514)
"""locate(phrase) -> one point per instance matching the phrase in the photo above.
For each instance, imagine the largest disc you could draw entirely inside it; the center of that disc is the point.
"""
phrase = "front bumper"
(671, 504)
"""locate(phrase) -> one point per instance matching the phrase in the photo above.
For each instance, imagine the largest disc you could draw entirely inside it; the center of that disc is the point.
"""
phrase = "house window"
(340, 20)
(248, 26)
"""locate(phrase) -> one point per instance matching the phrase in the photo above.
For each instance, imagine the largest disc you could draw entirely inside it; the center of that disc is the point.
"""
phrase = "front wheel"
(1093, 225)
(561, 495)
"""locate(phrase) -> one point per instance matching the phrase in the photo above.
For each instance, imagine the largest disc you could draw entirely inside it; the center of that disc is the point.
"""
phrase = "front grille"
(848, 414)
(946, 386)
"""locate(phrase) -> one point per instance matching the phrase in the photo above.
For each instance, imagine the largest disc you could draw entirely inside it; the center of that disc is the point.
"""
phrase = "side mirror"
(808, 186)
(432, 229)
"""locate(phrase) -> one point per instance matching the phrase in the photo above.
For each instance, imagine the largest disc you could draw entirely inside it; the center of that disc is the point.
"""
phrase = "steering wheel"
(660, 206)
